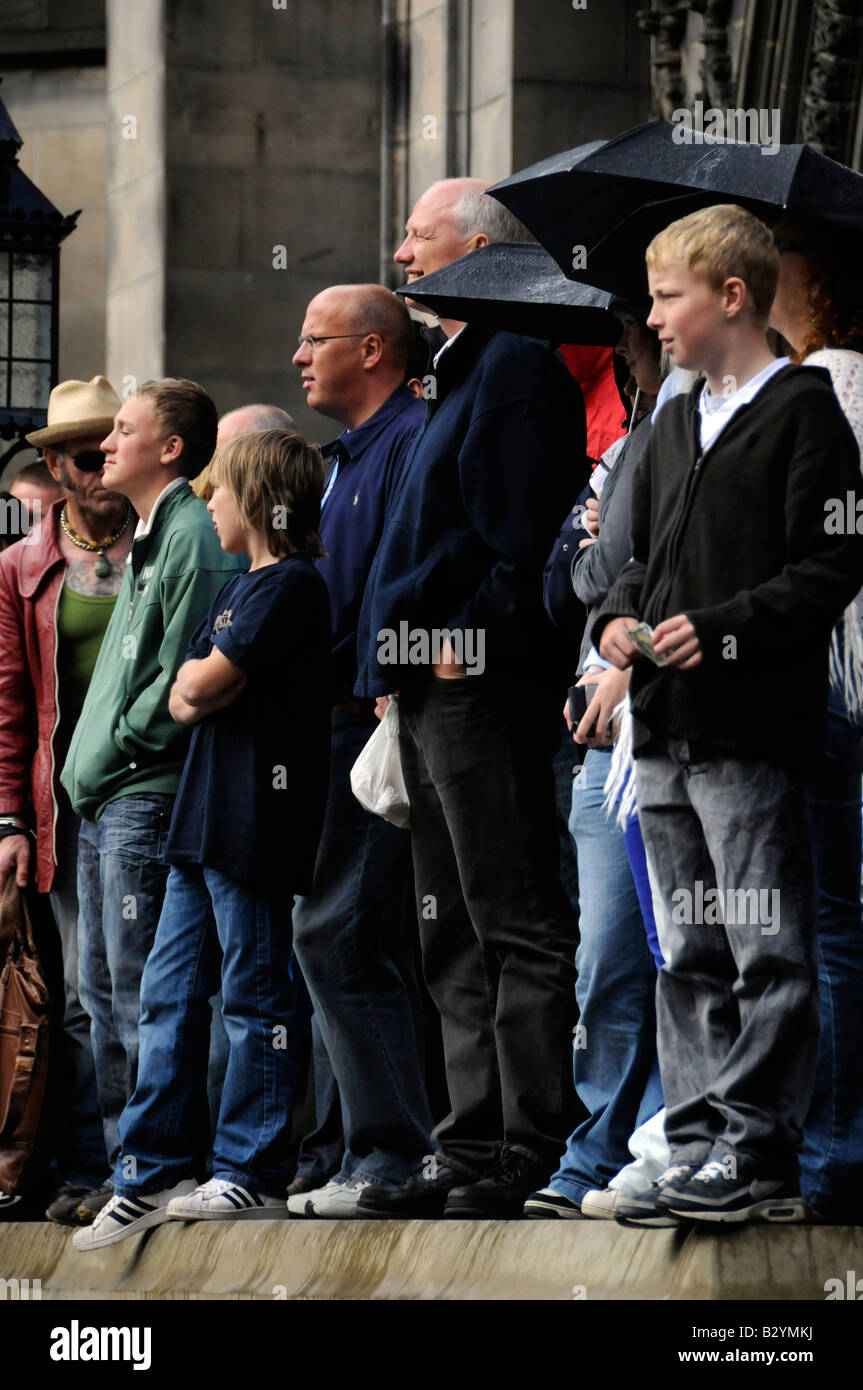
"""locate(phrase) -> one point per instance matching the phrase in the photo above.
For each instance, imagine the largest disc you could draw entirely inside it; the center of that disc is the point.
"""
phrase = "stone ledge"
(449, 1260)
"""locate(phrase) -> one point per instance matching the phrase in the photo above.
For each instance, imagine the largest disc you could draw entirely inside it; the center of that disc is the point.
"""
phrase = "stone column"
(135, 307)
(485, 87)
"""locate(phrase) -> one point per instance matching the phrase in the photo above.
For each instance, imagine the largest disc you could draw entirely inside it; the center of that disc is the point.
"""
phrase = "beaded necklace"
(102, 567)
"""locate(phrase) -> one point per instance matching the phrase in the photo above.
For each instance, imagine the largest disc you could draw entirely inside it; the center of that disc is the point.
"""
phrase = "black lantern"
(31, 230)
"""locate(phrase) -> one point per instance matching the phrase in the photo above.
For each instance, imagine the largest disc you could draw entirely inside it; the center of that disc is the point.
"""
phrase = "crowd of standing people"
(660, 1023)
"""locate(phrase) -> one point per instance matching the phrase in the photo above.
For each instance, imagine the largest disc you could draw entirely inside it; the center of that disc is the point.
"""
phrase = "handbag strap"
(15, 915)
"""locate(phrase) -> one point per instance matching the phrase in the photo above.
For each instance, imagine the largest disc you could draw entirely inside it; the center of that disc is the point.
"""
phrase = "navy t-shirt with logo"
(254, 786)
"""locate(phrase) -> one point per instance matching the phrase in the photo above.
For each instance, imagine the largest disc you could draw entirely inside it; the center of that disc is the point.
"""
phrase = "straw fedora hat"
(77, 409)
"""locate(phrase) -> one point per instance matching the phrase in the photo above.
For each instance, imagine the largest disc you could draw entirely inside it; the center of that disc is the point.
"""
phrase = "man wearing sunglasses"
(58, 588)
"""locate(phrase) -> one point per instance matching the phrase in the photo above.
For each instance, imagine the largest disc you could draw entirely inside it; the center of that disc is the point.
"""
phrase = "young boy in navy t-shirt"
(242, 843)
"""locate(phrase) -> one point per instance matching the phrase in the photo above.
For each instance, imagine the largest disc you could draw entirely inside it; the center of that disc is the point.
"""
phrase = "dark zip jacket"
(738, 539)
(495, 469)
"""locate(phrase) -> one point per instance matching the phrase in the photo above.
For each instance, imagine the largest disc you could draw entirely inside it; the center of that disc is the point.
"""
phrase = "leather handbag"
(25, 1013)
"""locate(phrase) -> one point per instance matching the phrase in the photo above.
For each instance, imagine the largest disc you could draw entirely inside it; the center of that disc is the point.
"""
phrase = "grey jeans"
(728, 848)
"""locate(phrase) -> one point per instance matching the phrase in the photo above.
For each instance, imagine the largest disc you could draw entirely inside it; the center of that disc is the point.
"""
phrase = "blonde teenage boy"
(741, 582)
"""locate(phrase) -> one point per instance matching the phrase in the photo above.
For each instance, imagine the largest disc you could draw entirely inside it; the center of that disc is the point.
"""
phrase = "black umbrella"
(616, 261)
(573, 200)
(519, 288)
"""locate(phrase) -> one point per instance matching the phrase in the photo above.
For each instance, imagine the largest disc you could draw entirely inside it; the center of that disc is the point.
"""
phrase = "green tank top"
(81, 623)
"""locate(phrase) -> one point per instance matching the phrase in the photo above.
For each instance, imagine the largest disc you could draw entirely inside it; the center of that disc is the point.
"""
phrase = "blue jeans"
(355, 936)
(615, 1066)
(164, 1133)
(81, 1157)
(121, 885)
(831, 1161)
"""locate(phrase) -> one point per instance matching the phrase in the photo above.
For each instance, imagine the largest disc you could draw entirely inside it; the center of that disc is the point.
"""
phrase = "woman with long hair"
(818, 309)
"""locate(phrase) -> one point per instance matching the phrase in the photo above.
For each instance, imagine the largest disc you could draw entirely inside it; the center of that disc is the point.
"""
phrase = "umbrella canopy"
(519, 288)
(573, 200)
(616, 261)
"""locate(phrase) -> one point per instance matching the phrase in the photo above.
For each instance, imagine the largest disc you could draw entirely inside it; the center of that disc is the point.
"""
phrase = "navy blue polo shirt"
(253, 789)
(370, 461)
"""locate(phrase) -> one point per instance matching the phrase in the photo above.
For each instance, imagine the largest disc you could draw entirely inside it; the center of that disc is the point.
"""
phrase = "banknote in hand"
(642, 637)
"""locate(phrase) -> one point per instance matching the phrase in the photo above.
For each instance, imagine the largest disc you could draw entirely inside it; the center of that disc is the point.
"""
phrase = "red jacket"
(593, 369)
(31, 576)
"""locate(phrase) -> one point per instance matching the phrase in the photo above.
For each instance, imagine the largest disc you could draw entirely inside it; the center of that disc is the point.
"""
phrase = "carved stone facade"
(666, 21)
(802, 57)
(827, 118)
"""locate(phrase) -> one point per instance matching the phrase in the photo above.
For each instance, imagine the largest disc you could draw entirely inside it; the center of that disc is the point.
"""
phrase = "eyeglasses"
(304, 339)
(88, 461)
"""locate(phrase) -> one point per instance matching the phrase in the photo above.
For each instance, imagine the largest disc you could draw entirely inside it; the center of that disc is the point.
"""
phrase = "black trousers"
(497, 931)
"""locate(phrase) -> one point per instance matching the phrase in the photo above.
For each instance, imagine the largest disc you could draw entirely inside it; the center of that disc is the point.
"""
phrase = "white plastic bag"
(376, 776)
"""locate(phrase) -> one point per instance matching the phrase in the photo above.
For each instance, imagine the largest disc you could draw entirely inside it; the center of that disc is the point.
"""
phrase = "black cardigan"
(735, 538)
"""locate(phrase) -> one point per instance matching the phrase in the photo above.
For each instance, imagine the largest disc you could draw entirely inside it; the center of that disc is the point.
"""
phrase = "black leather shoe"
(502, 1194)
(422, 1196)
(64, 1206)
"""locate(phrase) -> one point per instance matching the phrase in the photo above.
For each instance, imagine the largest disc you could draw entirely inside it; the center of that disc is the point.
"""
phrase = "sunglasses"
(89, 461)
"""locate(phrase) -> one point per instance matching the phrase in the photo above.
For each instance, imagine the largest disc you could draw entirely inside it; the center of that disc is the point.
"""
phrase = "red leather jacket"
(31, 577)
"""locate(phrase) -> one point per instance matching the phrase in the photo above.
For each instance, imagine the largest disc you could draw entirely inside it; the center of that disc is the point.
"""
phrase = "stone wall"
(488, 87)
(251, 185)
(579, 74)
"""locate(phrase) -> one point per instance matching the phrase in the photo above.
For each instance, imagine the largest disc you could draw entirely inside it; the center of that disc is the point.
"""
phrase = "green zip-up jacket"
(126, 742)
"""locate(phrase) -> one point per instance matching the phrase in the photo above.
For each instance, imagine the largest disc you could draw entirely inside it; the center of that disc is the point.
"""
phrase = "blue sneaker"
(720, 1191)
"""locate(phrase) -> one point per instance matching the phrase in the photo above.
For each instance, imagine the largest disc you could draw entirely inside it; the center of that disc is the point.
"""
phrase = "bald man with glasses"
(355, 935)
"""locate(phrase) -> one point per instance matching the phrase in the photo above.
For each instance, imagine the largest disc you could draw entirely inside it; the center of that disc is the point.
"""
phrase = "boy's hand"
(616, 647)
(610, 689)
(589, 678)
(677, 639)
(591, 516)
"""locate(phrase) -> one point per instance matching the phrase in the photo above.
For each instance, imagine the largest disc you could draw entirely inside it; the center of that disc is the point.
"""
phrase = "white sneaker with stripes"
(337, 1200)
(221, 1200)
(128, 1216)
(303, 1203)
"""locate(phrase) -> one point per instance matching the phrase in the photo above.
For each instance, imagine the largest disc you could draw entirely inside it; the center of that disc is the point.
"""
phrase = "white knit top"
(846, 666)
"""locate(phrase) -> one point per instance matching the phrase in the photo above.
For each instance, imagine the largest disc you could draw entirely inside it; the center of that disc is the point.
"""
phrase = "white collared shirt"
(449, 342)
(715, 411)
